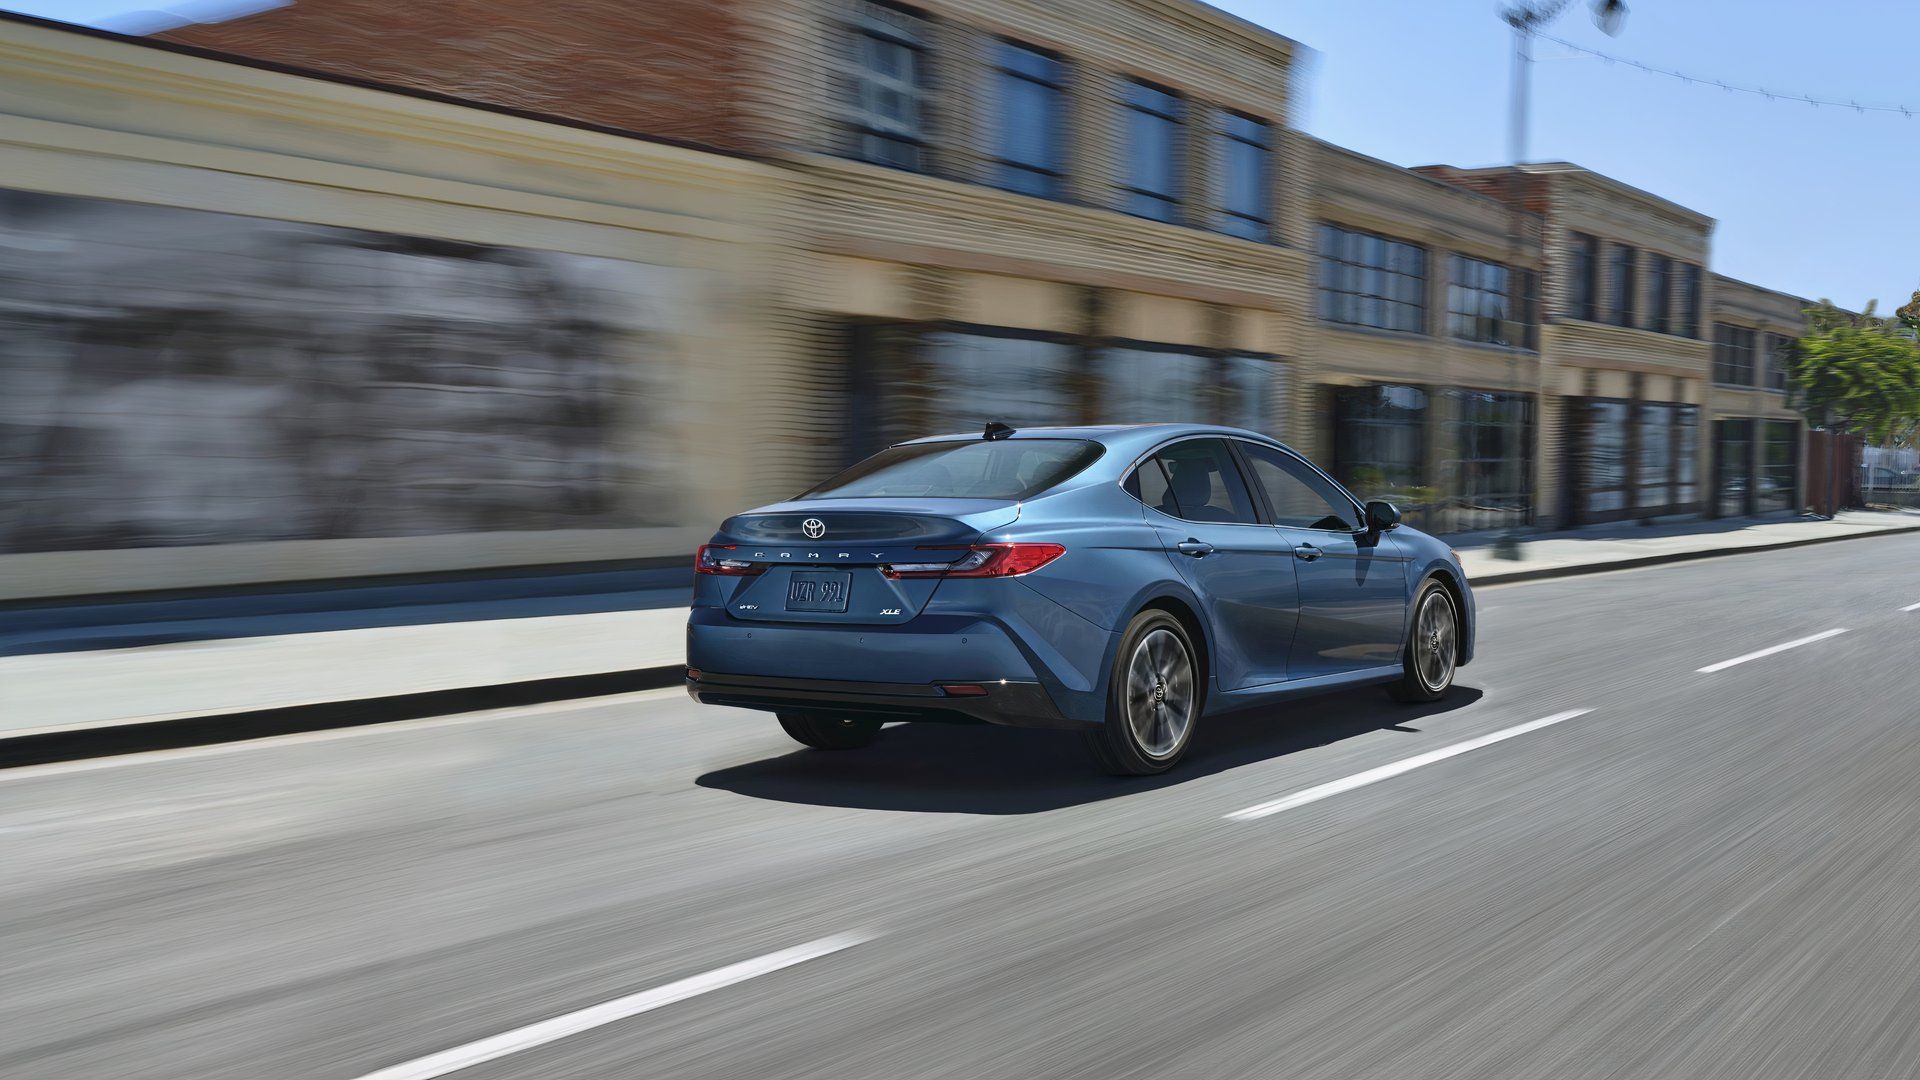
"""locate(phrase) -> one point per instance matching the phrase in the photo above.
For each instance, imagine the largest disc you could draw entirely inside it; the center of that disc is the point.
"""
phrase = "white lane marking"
(1911, 607)
(621, 1008)
(1372, 776)
(1794, 644)
(147, 757)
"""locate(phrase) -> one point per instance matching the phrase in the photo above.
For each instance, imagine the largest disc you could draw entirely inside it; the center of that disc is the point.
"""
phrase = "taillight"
(983, 560)
(713, 559)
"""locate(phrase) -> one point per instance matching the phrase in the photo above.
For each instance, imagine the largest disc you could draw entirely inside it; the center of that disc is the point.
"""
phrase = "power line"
(1756, 91)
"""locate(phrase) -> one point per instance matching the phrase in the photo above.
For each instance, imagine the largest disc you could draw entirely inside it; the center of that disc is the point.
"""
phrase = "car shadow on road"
(965, 769)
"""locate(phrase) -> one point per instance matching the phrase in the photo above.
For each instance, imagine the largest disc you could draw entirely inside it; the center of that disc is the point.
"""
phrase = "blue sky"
(1817, 202)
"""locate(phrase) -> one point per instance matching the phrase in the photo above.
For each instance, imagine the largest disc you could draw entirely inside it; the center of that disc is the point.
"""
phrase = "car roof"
(1129, 437)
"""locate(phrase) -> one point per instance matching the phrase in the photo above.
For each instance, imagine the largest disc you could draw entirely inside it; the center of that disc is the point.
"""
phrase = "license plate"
(814, 591)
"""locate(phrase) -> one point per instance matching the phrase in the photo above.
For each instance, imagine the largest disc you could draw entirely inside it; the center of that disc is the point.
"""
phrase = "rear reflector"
(983, 560)
(964, 689)
(693, 673)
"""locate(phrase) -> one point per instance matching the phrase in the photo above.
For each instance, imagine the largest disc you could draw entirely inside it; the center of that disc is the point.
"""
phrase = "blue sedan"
(1120, 581)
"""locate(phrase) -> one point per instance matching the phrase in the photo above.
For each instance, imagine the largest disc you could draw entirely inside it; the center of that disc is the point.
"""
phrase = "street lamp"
(1526, 18)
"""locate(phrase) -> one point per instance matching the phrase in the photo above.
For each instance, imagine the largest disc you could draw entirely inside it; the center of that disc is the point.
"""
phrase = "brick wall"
(665, 68)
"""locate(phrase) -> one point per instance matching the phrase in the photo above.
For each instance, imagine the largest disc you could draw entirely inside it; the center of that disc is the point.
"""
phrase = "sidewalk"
(1624, 544)
(217, 656)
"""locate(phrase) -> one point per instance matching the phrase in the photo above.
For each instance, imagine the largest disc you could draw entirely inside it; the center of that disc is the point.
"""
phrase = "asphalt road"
(1705, 874)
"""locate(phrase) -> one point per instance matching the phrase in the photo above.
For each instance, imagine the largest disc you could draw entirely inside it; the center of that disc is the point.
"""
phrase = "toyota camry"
(1125, 582)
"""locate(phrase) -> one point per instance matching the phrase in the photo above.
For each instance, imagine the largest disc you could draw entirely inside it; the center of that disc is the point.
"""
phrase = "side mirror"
(1382, 515)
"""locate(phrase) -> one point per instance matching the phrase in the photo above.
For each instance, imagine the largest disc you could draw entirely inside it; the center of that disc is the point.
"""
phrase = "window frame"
(1265, 504)
(1622, 284)
(1583, 273)
(1344, 273)
(1660, 313)
(1510, 304)
(1257, 227)
(1254, 501)
(1723, 352)
(1055, 173)
(866, 24)
(1175, 116)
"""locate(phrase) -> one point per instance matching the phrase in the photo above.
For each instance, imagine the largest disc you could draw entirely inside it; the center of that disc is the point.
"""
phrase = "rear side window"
(1195, 480)
(1001, 469)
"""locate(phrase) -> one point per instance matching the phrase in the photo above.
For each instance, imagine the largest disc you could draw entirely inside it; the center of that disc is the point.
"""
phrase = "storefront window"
(1733, 464)
(1686, 458)
(1606, 460)
(1142, 385)
(1490, 437)
(1653, 471)
(1379, 441)
(1775, 487)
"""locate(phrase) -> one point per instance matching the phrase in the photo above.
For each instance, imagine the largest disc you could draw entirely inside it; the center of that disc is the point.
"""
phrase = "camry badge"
(814, 528)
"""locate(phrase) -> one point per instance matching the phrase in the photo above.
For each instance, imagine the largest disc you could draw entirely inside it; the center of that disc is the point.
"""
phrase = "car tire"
(1154, 695)
(1432, 654)
(829, 732)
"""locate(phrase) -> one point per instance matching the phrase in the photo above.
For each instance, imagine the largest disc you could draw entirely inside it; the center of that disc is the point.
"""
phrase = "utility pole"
(1525, 18)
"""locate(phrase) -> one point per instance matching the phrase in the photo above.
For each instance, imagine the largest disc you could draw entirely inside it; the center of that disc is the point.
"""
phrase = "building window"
(1480, 302)
(1779, 361)
(1245, 157)
(888, 87)
(1490, 438)
(1380, 441)
(1733, 464)
(1145, 384)
(1732, 355)
(1775, 488)
(1032, 100)
(1659, 292)
(1153, 152)
(1690, 301)
(1583, 276)
(1620, 285)
(910, 382)
(1369, 280)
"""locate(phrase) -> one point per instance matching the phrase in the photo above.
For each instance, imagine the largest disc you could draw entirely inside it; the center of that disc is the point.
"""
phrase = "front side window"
(1583, 276)
(1299, 497)
(1153, 152)
(1032, 99)
(1732, 355)
(974, 469)
(888, 87)
(1369, 280)
(1620, 285)
(1201, 483)
(1480, 301)
(1244, 188)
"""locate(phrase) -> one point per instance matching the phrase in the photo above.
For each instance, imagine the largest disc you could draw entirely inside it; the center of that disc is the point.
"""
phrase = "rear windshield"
(1002, 469)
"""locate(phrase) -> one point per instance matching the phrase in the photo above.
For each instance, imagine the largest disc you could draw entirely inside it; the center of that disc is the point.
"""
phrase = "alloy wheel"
(1435, 636)
(1160, 693)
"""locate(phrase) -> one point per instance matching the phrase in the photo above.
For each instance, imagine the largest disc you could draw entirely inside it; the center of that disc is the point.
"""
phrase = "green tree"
(1858, 374)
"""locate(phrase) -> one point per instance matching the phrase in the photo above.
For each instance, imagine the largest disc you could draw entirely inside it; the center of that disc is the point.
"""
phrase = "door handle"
(1199, 549)
(1306, 552)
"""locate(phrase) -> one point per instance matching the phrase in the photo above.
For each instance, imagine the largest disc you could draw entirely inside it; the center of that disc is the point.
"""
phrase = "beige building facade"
(266, 327)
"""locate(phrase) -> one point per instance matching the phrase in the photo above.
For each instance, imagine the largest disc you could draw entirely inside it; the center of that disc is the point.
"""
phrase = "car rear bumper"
(1007, 702)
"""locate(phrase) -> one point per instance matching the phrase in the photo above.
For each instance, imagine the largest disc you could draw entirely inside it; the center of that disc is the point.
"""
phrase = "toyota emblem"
(814, 528)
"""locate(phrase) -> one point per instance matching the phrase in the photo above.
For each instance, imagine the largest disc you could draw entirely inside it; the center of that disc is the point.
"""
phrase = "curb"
(112, 738)
(1580, 569)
